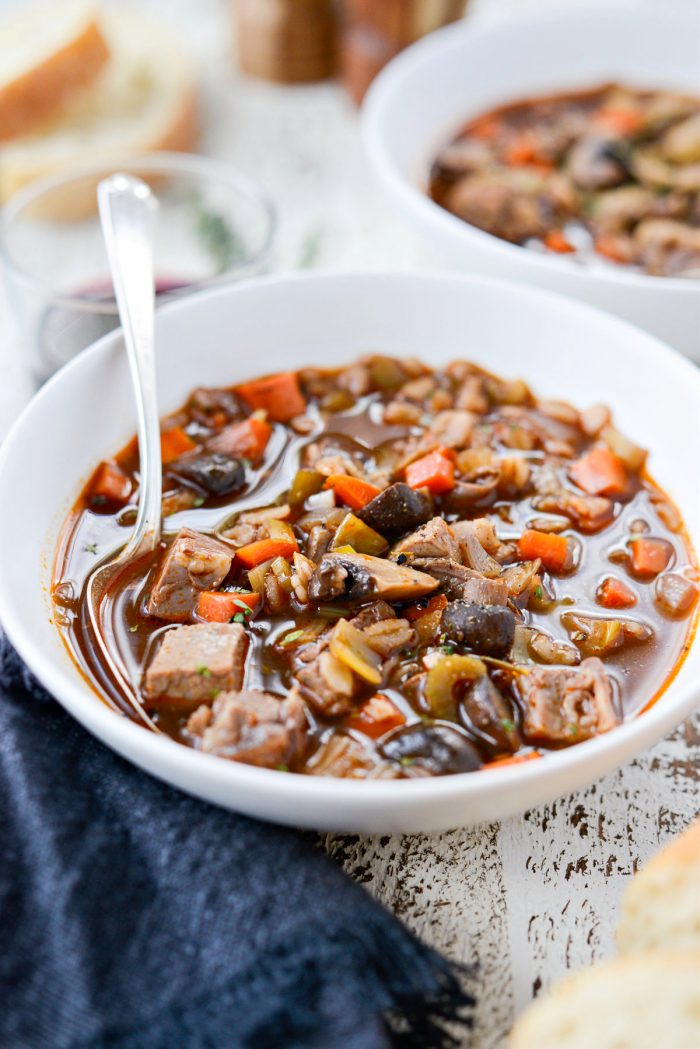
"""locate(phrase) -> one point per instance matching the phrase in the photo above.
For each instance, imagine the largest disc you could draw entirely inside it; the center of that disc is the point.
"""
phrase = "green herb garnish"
(507, 725)
(310, 249)
(214, 693)
(246, 609)
(133, 629)
(199, 501)
(90, 548)
(407, 762)
(538, 592)
(289, 639)
(204, 671)
(216, 235)
(238, 618)
(447, 649)
(282, 768)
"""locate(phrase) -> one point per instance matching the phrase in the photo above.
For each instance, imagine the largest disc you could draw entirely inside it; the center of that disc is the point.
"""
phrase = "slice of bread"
(144, 100)
(46, 54)
(649, 1002)
(661, 906)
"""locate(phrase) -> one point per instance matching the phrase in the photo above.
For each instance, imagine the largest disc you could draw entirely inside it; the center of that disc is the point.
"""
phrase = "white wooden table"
(533, 897)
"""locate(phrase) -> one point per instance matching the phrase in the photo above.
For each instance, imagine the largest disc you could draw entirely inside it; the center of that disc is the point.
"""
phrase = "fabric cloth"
(135, 917)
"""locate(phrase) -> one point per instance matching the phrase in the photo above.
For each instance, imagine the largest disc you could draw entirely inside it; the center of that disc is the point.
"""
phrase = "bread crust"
(639, 997)
(35, 96)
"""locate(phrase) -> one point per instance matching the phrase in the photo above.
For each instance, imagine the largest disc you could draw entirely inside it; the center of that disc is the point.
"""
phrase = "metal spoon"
(128, 212)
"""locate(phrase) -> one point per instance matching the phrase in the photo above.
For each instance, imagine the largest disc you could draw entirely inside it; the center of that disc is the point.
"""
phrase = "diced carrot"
(174, 443)
(376, 716)
(552, 550)
(613, 593)
(649, 556)
(599, 472)
(352, 491)
(255, 553)
(523, 152)
(515, 759)
(611, 247)
(217, 419)
(435, 471)
(485, 128)
(217, 607)
(618, 120)
(556, 241)
(435, 604)
(110, 485)
(248, 438)
(278, 395)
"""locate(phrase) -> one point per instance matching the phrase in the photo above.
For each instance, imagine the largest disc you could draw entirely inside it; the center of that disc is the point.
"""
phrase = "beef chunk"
(566, 705)
(486, 629)
(194, 562)
(255, 728)
(327, 684)
(458, 582)
(195, 662)
(396, 510)
(374, 613)
(433, 539)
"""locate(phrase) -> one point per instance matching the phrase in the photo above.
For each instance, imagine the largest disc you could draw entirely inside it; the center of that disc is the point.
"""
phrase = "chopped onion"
(631, 454)
(675, 595)
(321, 500)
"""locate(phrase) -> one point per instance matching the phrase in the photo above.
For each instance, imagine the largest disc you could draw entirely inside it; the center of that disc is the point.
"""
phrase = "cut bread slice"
(45, 55)
(648, 1002)
(144, 100)
(661, 906)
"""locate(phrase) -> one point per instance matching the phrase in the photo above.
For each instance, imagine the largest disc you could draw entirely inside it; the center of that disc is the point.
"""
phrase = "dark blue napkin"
(134, 917)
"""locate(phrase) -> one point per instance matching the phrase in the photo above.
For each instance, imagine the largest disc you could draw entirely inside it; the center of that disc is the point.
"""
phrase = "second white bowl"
(425, 94)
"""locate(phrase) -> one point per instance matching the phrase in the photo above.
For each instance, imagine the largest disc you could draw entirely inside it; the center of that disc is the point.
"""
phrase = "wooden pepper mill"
(373, 31)
(291, 41)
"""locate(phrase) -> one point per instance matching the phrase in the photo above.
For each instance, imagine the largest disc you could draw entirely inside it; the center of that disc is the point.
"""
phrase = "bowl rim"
(429, 52)
(166, 162)
(77, 696)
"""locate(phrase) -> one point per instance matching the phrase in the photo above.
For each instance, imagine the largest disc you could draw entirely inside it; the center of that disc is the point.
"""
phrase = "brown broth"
(639, 671)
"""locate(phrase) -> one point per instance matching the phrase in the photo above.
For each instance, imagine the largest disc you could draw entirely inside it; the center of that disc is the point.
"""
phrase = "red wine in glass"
(65, 330)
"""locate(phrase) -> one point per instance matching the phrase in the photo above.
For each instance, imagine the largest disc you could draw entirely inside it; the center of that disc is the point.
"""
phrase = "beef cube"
(193, 563)
(434, 539)
(567, 704)
(457, 581)
(255, 728)
(196, 662)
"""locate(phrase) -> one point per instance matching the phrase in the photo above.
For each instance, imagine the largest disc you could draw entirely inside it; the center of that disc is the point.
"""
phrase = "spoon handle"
(128, 212)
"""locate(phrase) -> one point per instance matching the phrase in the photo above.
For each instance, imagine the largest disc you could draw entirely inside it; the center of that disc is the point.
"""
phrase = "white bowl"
(427, 92)
(221, 336)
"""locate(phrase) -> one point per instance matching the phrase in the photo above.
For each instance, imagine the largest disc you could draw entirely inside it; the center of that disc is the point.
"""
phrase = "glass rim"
(165, 162)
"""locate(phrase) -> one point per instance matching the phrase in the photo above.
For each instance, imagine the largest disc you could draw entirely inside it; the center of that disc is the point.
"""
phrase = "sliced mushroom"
(361, 575)
(438, 749)
(594, 163)
(396, 510)
(486, 629)
(485, 712)
(480, 492)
